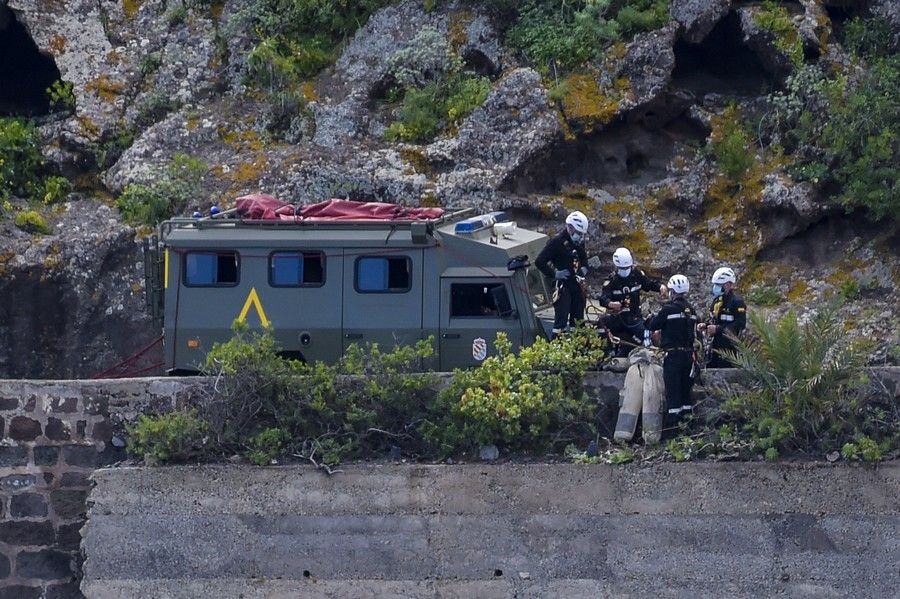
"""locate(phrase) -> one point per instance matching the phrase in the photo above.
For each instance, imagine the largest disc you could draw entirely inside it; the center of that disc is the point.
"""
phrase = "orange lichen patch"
(105, 87)
(586, 104)
(309, 92)
(241, 140)
(429, 200)
(617, 51)
(5, 257)
(89, 126)
(58, 45)
(113, 56)
(798, 292)
(131, 7)
(248, 172)
(456, 28)
(192, 124)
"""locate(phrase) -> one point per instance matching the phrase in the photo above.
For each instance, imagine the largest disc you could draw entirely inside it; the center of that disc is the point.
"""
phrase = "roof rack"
(227, 219)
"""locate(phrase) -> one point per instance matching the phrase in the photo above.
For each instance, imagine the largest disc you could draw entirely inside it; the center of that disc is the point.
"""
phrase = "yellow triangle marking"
(253, 300)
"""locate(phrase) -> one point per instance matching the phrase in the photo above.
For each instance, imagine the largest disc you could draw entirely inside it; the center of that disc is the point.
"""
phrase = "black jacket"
(628, 291)
(677, 320)
(559, 254)
(729, 313)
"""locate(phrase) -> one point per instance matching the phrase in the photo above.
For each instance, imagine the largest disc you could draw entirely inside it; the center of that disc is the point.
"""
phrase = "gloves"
(562, 275)
(583, 271)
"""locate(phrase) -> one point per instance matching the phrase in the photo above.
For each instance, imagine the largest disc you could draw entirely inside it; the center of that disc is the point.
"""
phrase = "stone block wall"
(54, 434)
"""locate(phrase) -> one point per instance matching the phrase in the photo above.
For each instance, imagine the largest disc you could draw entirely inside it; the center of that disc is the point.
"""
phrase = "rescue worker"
(676, 321)
(621, 296)
(727, 314)
(563, 259)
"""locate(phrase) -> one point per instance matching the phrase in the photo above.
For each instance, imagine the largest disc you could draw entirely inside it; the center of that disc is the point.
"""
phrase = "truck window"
(296, 269)
(478, 300)
(377, 274)
(211, 269)
(537, 288)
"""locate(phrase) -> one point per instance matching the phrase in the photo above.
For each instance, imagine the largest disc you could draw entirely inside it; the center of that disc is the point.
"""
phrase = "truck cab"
(321, 285)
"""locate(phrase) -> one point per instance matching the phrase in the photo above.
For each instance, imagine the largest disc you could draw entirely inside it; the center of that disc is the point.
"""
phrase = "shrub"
(267, 446)
(61, 95)
(562, 34)
(31, 221)
(172, 437)
(21, 162)
(154, 109)
(426, 59)
(731, 144)
(764, 295)
(805, 387)
(175, 189)
(55, 190)
(531, 400)
(845, 134)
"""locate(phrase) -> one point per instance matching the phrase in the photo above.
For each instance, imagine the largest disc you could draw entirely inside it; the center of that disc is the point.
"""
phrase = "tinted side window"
(377, 274)
(478, 300)
(211, 269)
(296, 269)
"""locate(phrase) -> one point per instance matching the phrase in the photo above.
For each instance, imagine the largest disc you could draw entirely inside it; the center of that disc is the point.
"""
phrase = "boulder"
(698, 17)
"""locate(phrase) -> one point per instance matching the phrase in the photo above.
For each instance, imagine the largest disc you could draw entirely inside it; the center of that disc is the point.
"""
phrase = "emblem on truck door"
(479, 349)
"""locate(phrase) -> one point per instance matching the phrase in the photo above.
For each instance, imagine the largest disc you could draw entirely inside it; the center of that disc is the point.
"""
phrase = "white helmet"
(723, 275)
(578, 221)
(679, 284)
(622, 258)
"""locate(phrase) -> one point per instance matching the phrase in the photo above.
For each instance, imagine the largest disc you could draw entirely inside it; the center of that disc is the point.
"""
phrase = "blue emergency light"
(477, 223)
(197, 214)
(214, 211)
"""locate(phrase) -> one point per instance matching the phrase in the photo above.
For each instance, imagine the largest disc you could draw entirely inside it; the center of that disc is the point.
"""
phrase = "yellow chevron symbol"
(253, 300)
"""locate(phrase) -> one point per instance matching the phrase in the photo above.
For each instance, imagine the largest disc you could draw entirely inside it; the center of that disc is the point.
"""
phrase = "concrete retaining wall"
(685, 530)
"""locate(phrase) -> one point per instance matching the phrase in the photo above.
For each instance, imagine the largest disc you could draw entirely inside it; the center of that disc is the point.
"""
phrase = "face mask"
(717, 290)
(576, 237)
(624, 272)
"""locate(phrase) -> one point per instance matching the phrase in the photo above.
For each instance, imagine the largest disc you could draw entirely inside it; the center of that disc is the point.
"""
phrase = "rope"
(107, 374)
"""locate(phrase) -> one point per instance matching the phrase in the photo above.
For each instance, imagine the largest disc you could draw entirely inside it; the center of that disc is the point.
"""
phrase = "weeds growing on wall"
(434, 90)
(175, 189)
(559, 35)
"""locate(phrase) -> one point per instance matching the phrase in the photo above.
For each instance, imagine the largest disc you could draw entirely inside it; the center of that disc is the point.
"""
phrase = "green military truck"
(323, 284)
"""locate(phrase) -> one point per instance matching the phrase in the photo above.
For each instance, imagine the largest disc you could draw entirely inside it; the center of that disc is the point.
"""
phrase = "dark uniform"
(560, 253)
(677, 321)
(627, 324)
(729, 313)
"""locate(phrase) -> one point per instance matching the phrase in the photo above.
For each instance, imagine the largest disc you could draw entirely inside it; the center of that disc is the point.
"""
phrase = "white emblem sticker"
(479, 349)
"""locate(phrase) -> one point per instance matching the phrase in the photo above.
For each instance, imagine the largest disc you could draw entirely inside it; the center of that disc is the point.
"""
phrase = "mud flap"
(654, 400)
(632, 399)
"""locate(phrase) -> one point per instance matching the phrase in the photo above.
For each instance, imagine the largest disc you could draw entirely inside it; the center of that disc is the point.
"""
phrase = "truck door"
(473, 311)
(383, 297)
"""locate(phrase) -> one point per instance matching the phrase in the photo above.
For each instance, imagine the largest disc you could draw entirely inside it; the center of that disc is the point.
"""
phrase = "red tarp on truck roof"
(265, 207)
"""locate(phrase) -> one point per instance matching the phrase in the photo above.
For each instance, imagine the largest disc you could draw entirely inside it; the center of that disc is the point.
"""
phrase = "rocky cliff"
(631, 134)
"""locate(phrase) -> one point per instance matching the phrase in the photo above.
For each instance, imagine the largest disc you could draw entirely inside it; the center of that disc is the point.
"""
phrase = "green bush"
(154, 109)
(805, 387)
(267, 446)
(55, 190)
(61, 95)
(533, 400)
(562, 34)
(764, 295)
(31, 221)
(172, 437)
(844, 134)
(21, 163)
(731, 144)
(175, 189)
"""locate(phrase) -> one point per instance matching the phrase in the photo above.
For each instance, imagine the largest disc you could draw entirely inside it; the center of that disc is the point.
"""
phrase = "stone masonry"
(54, 434)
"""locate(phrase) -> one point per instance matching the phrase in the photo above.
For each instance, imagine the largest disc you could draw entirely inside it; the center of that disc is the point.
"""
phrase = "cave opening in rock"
(25, 73)
(627, 152)
(720, 64)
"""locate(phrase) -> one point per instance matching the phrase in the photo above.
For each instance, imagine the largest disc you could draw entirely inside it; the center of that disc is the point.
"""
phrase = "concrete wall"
(680, 530)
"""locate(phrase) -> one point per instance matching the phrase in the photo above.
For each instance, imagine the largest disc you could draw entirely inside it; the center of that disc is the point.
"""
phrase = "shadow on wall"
(25, 73)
